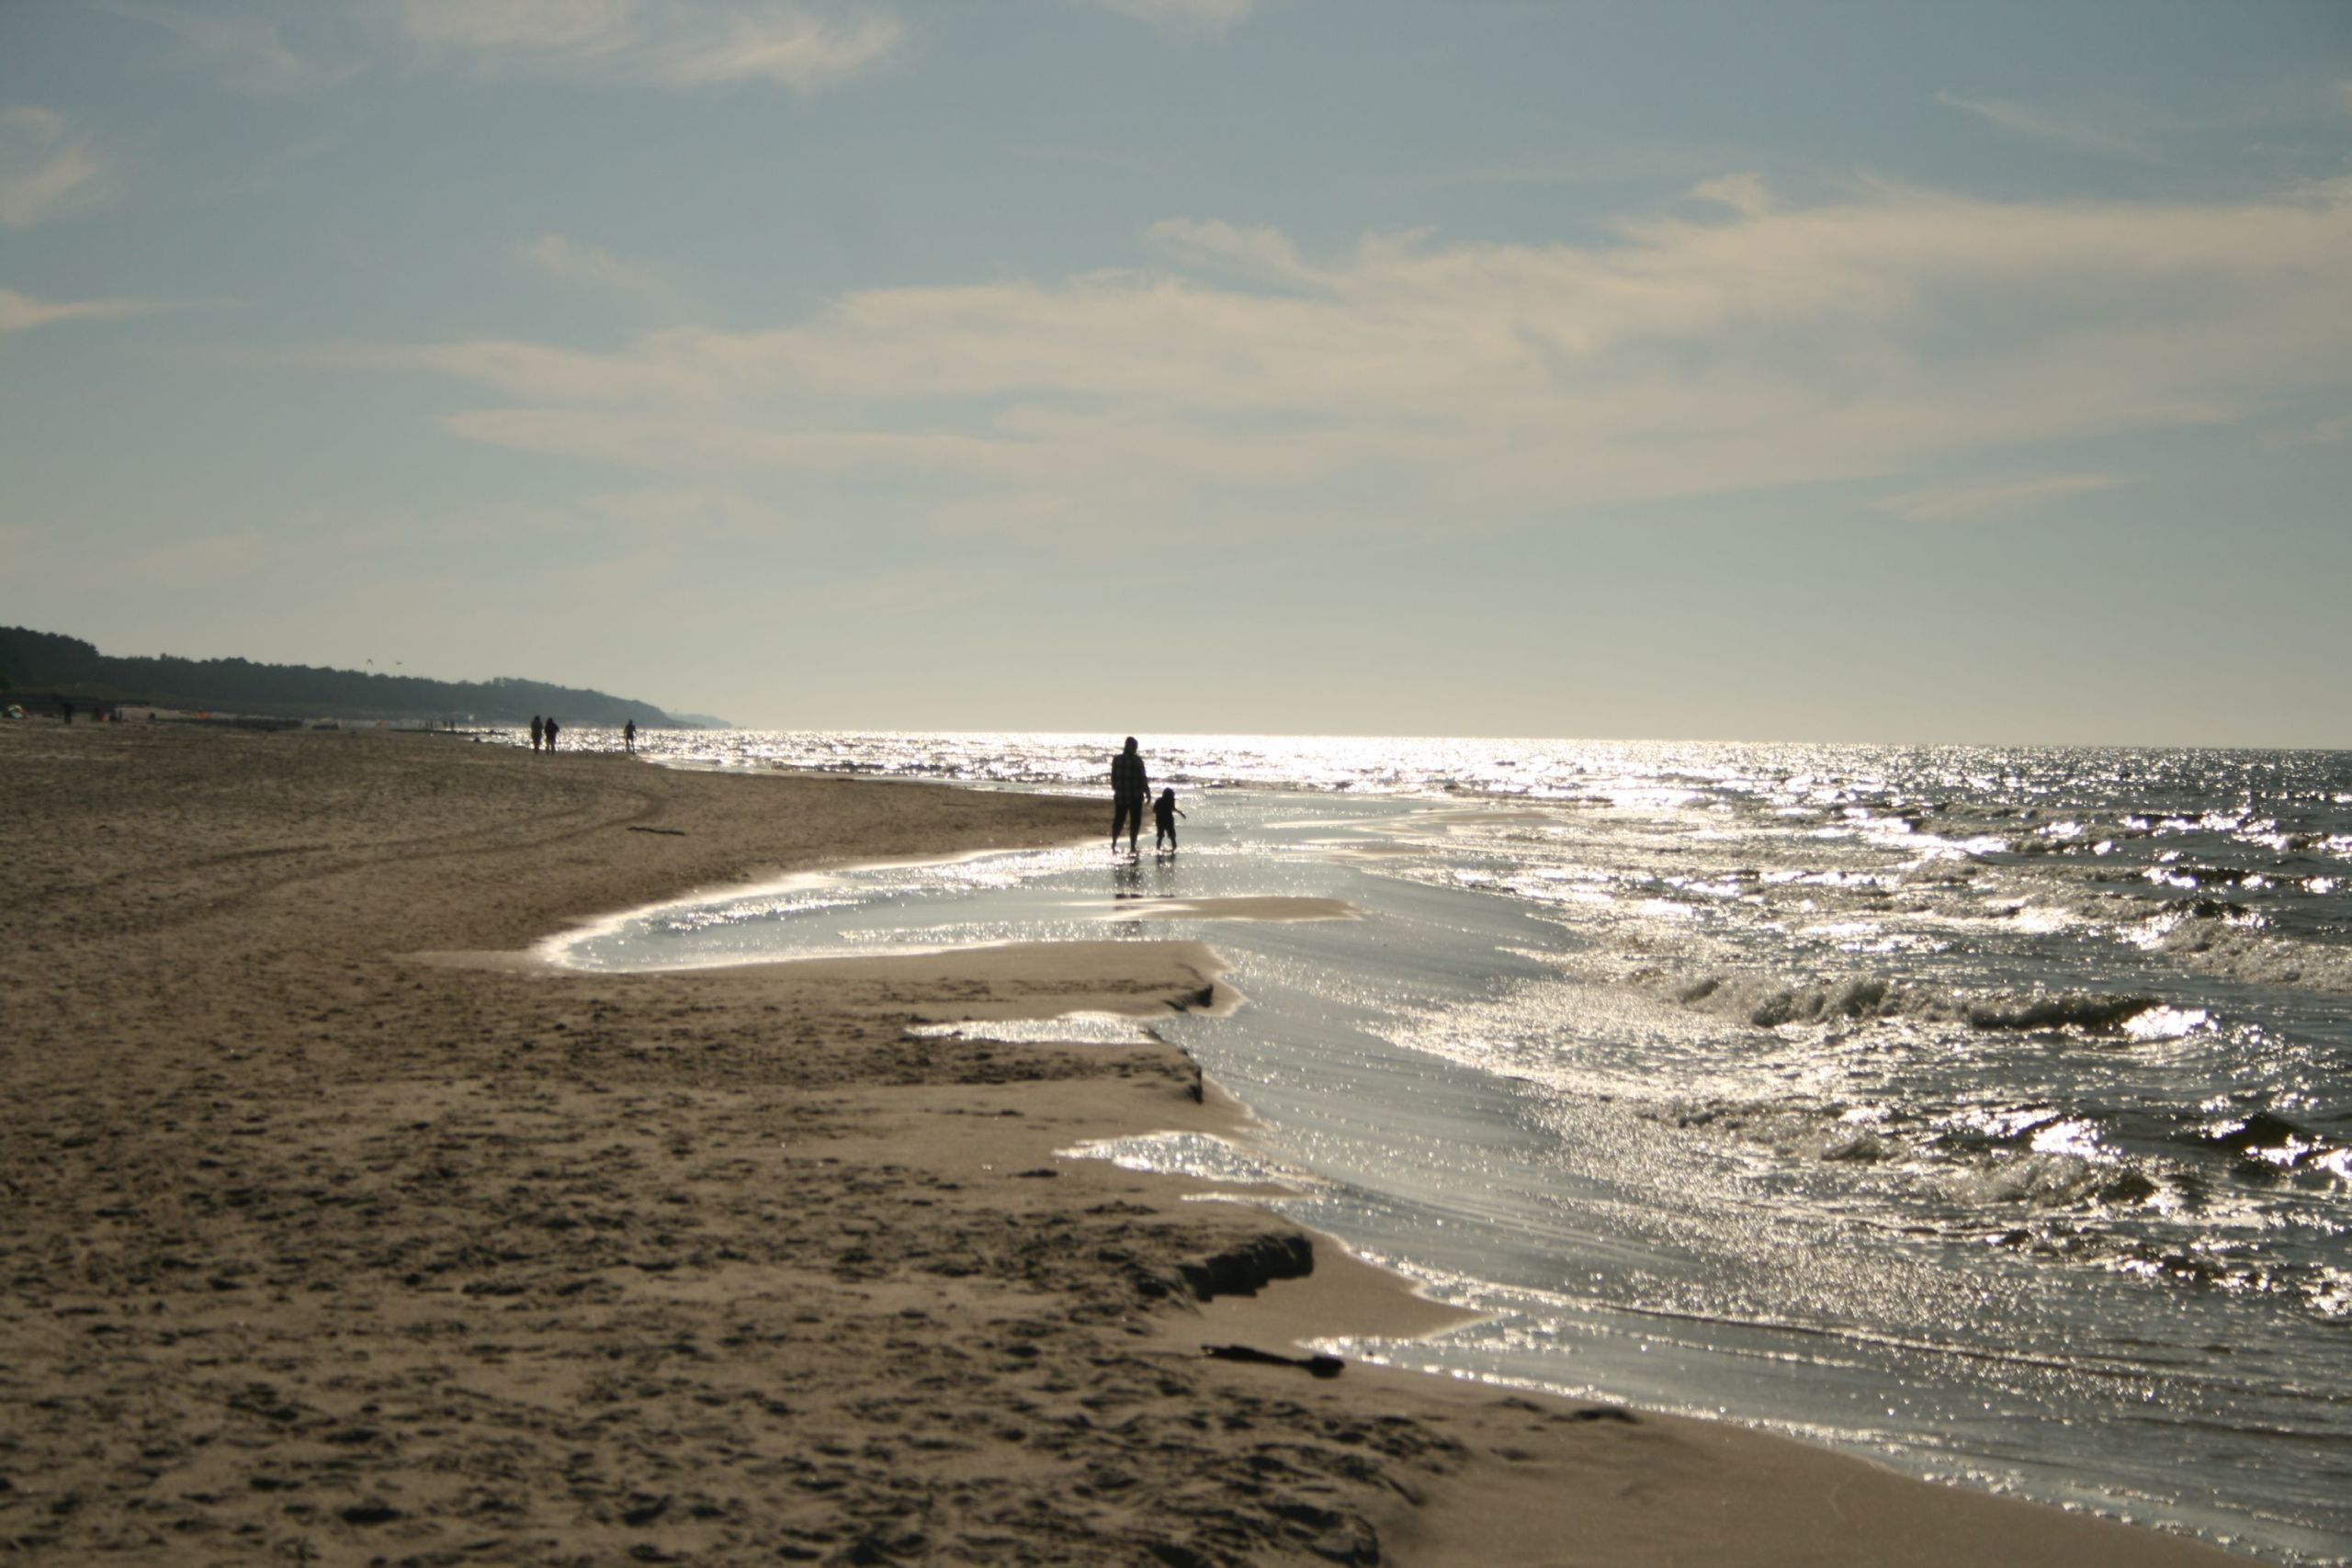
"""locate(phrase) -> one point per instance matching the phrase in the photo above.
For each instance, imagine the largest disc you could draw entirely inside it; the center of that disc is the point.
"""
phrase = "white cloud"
(589, 266)
(1767, 345)
(46, 171)
(2332, 432)
(1947, 503)
(2025, 121)
(1266, 255)
(653, 441)
(22, 313)
(1185, 18)
(1746, 194)
(533, 372)
(287, 48)
(671, 43)
(248, 51)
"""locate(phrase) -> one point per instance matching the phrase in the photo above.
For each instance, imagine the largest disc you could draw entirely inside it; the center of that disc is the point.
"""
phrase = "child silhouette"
(1164, 814)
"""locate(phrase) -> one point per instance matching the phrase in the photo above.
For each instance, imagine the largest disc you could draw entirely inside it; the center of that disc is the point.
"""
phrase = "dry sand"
(321, 1249)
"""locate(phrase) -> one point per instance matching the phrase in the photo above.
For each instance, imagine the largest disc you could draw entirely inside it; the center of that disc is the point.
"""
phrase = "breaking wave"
(2238, 945)
(1768, 1004)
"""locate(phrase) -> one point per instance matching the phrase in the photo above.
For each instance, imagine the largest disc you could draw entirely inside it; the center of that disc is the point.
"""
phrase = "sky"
(1747, 371)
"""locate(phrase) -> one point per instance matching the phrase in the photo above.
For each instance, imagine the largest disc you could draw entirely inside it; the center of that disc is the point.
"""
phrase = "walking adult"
(538, 731)
(1128, 789)
(629, 736)
(552, 727)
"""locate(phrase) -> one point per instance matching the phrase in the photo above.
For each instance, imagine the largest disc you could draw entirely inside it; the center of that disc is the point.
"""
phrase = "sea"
(1984, 1112)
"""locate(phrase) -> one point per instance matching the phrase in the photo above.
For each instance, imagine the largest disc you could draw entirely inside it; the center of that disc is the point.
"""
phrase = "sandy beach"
(337, 1232)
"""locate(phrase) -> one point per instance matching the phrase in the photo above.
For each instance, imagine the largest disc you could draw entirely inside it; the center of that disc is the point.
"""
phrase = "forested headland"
(46, 663)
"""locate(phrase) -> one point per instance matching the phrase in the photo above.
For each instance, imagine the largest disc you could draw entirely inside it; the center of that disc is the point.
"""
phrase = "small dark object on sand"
(674, 832)
(1314, 1366)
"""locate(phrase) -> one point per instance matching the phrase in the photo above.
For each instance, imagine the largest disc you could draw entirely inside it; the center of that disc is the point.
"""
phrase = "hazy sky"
(1970, 372)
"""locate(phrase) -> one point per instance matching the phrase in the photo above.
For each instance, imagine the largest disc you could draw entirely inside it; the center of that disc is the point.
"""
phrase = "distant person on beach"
(1164, 814)
(65, 712)
(538, 732)
(552, 727)
(629, 734)
(1128, 787)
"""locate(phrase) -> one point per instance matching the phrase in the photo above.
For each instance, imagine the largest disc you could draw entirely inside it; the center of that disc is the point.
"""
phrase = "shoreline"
(331, 1249)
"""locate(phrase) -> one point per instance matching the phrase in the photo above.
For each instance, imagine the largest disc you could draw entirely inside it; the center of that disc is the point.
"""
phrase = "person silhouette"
(538, 731)
(1129, 788)
(1163, 817)
(551, 729)
(629, 736)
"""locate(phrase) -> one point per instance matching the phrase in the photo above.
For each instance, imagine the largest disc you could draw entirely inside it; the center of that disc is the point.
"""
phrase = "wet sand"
(324, 1246)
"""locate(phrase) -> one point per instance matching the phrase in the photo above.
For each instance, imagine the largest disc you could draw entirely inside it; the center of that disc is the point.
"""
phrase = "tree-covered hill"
(34, 662)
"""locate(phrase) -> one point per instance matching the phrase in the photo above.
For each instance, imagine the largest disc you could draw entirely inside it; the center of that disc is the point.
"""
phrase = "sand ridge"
(319, 1252)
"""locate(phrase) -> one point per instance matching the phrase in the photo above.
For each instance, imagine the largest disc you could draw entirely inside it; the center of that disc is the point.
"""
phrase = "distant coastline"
(35, 665)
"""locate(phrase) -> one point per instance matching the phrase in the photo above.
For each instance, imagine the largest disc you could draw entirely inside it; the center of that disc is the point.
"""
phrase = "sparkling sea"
(1985, 1112)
